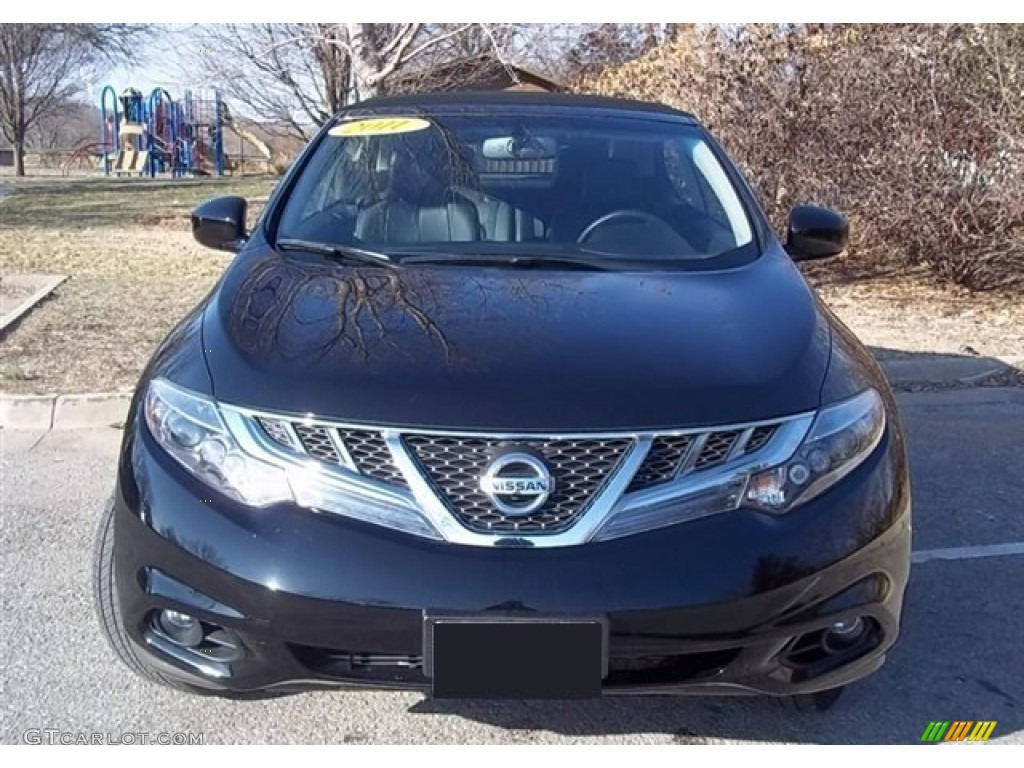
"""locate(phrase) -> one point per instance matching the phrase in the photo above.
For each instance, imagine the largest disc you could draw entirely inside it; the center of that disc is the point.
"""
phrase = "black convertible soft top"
(477, 99)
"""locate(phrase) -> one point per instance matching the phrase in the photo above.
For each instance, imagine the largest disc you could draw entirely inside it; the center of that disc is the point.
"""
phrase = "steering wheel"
(626, 215)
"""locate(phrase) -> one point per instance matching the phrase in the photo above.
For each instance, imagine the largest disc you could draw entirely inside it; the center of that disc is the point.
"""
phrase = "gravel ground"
(906, 316)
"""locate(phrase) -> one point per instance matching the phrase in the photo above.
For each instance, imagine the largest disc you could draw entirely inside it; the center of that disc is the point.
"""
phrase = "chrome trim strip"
(385, 660)
(422, 497)
(429, 502)
(782, 446)
(498, 435)
(341, 448)
(208, 667)
(293, 435)
(686, 465)
(740, 444)
(596, 516)
(265, 449)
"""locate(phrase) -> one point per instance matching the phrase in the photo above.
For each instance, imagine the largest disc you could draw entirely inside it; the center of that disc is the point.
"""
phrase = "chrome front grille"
(674, 455)
(759, 438)
(371, 455)
(715, 449)
(454, 465)
(361, 449)
(318, 444)
(277, 430)
(663, 460)
(441, 472)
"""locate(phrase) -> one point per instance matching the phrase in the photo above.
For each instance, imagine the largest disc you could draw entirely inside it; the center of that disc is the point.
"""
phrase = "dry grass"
(84, 203)
(134, 267)
(135, 271)
(912, 313)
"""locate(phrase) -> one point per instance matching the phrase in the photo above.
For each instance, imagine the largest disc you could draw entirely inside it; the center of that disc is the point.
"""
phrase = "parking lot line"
(969, 553)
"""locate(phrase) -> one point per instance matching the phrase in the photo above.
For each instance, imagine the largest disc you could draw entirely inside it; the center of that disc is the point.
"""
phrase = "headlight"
(190, 428)
(199, 435)
(841, 437)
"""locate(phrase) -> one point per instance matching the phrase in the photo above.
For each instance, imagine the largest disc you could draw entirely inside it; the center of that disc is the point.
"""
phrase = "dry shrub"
(916, 132)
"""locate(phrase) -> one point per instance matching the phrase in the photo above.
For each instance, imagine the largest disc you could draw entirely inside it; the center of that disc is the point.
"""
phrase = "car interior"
(601, 194)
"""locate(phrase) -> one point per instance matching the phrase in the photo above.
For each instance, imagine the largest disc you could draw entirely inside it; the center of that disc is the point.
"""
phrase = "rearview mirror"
(815, 233)
(220, 223)
(519, 148)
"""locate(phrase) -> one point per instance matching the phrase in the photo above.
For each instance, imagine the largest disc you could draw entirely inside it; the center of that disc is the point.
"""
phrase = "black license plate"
(513, 657)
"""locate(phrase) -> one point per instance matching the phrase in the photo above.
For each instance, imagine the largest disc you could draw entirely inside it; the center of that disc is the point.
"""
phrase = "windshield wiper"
(508, 260)
(337, 251)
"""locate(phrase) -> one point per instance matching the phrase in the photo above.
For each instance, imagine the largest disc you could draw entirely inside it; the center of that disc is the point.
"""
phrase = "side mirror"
(220, 223)
(815, 233)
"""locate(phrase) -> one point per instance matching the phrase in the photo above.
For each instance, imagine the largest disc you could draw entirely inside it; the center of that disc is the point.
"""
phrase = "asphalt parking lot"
(959, 658)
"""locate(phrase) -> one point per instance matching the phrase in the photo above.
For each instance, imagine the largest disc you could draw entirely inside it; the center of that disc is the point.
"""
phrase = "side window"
(723, 204)
(334, 180)
(344, 179)
(680, 172)
(713, 206)
(321, 195)
(691, 185)
(702, 183)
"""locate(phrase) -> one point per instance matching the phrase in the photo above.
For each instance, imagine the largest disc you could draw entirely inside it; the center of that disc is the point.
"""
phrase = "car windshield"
(583, 186)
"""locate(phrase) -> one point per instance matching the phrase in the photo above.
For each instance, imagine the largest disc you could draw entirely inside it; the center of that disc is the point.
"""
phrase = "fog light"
(843, 634)
(181, 628)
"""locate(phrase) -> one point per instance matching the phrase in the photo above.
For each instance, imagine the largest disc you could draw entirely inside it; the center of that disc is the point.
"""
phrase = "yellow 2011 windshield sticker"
(380, 126)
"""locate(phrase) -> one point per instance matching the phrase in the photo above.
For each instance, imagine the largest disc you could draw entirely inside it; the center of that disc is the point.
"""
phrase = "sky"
(144, 78)
(156, 66)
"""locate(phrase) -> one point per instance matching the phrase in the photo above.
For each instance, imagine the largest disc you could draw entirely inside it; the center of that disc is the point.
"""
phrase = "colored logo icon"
(958, 730)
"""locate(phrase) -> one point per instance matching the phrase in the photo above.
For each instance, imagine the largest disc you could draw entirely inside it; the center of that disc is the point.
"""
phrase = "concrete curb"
(947, 369)
(26, 411)
(76, 411)
(44, 412)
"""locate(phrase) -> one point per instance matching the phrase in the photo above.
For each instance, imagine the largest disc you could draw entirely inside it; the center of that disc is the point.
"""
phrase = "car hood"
(515, 350)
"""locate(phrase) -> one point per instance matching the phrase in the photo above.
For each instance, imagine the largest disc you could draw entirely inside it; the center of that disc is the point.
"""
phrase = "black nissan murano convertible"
(510, 395)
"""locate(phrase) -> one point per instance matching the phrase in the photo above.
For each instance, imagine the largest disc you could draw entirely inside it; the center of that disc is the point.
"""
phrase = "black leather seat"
(502, 222)
(403, 222)
(421, 207)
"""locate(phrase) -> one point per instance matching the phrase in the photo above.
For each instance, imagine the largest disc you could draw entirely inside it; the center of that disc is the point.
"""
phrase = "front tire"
(109, 612)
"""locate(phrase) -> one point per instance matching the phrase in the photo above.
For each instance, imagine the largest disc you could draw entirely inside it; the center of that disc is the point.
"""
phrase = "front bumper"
(734, 603)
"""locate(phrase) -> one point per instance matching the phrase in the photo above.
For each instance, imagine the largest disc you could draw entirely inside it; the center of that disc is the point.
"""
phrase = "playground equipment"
(147, 136)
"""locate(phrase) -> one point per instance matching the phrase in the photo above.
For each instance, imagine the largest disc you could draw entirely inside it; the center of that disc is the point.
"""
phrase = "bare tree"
(915, 131)
(378, 52)
(287, 75)
(294, 77)
(598, 46)
(70, 123)
(42, 66)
